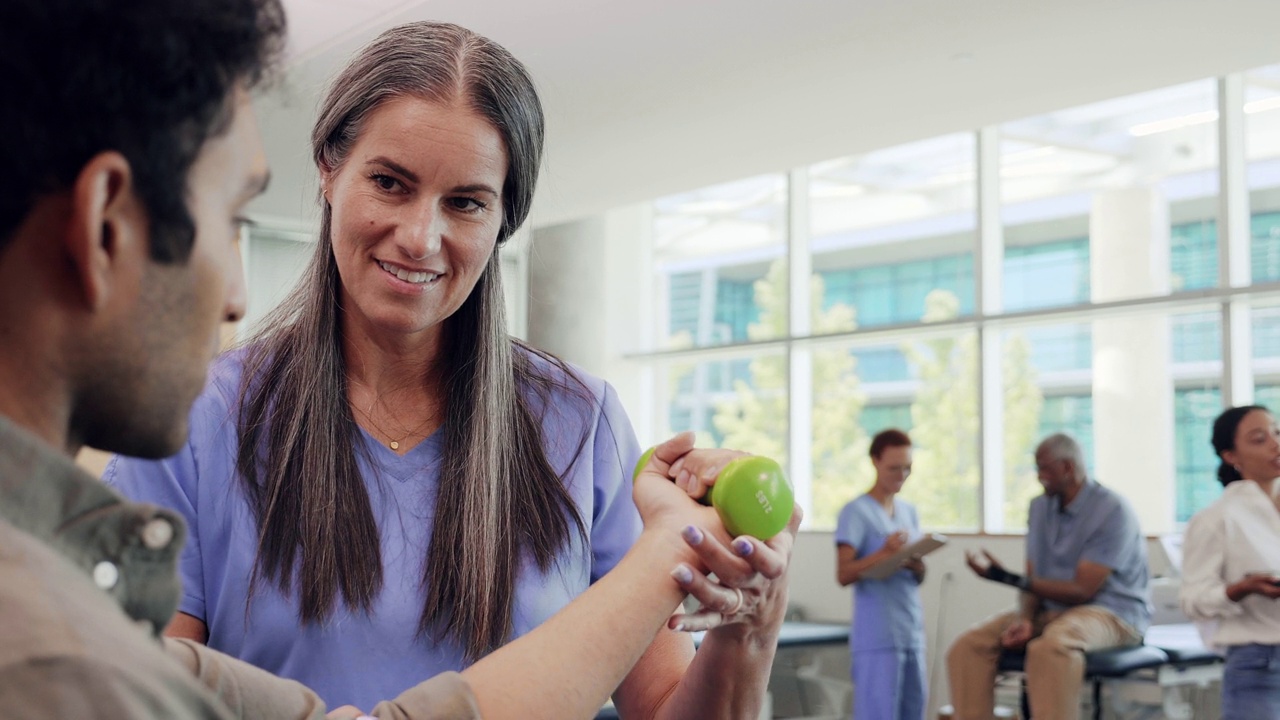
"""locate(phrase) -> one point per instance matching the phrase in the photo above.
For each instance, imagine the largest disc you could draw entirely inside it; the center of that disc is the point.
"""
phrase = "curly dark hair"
(150, 79)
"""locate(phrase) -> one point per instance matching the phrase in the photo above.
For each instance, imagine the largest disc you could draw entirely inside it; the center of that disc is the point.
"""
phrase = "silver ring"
(737, 605)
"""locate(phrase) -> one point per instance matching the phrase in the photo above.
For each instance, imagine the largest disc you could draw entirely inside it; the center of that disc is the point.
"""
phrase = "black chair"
(1099, 666)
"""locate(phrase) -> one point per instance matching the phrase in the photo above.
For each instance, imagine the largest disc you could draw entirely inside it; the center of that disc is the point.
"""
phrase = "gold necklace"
(393, 443)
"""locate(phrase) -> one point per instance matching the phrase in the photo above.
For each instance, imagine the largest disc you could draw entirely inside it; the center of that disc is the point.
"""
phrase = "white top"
(1238, 534)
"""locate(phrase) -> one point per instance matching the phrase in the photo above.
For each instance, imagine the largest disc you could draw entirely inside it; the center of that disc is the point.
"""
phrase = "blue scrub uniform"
(887, 636)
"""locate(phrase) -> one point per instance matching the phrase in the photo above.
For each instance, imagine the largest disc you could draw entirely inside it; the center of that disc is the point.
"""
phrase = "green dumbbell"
(751, 495)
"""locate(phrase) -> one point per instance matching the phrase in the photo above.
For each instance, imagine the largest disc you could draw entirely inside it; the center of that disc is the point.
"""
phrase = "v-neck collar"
(402, 467)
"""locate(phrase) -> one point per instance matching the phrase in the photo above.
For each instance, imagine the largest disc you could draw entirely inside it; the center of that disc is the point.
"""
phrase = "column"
(1132, 385)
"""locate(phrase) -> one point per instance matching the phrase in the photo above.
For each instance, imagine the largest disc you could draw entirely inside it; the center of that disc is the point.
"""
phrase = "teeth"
(417, 278)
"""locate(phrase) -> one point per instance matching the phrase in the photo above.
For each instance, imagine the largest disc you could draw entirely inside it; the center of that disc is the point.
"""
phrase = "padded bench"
(1172, 656)
(1099, 666)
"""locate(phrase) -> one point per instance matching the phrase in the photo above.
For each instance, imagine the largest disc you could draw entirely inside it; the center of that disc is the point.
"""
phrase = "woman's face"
(1257, 447)
(417, 207)
(892, 468)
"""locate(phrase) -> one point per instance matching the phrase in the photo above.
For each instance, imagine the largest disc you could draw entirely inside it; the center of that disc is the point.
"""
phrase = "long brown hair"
(298, 440)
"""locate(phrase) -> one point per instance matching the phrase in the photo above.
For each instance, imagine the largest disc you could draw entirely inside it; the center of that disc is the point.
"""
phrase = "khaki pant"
(1055, 660)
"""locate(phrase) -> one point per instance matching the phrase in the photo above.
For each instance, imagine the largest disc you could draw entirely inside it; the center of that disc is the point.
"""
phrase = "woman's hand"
(1264, 584)
(750, 575)
(750, 585)
(893, 543)
(915, 564)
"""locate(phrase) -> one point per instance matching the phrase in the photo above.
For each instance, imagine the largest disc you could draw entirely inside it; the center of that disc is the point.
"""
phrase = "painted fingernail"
(743, 547)
(682, 574)
(692, 535)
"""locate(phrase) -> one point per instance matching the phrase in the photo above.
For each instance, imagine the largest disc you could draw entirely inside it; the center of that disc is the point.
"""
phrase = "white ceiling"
(650, 97)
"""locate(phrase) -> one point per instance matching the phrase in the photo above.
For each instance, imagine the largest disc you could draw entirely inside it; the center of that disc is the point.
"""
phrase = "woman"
(1230, 561)
(887, 637)
(382, 485)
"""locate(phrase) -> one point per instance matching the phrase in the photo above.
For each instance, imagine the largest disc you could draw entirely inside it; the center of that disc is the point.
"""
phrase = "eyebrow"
(413, 177)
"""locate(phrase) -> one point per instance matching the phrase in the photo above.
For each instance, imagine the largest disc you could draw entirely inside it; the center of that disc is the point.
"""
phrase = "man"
(1085, 589)
(129, 152)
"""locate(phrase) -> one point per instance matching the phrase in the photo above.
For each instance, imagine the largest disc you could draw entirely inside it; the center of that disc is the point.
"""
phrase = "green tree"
(945, 423)
(945, 420)
(755, 418)
(1023, 403)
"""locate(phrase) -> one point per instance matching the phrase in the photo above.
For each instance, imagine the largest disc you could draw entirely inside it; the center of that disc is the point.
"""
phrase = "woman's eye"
(386, 182)
(467, 204)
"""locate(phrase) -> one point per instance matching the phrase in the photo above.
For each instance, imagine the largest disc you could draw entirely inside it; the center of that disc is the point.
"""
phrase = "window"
(1092, 194)
(739, 401)
(890, 227)
(1105, 322)
(274, 260)
(935, 402)
(712, 250)
(1197, 464)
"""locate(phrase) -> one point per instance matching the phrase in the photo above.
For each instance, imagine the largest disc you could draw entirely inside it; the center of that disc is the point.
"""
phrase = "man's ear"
(107, 225)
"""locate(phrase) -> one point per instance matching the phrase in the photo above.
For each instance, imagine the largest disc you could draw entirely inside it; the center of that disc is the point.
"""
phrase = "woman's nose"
(422, 237)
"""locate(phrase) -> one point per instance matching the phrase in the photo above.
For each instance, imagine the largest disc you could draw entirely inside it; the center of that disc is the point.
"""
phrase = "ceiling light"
(1258, 106)
(1174, 123)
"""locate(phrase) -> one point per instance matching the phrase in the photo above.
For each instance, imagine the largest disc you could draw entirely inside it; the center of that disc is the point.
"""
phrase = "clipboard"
(886, 567)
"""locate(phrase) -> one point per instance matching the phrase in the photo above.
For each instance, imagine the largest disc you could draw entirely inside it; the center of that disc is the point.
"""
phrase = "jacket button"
(157, 534)
(105, 575)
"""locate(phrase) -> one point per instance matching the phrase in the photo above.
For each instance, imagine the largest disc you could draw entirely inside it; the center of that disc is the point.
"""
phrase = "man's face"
(181, 305)
(1054, 472)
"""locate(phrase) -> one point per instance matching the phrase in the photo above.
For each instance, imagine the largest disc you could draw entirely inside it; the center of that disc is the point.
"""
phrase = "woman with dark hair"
(1231, 564)
(383, 485)
(887, 637)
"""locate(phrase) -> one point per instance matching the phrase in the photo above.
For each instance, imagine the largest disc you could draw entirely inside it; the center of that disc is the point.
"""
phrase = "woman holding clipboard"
(887, 637)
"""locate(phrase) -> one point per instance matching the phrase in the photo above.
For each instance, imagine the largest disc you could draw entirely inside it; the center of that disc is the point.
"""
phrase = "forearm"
(850, 571)
(729, 675)
(1028, 605)
(1066, 592)
(568, 666)
(247, 691)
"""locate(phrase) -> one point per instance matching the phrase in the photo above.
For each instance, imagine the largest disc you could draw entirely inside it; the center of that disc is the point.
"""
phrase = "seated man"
(1085, 589)
(129, 152)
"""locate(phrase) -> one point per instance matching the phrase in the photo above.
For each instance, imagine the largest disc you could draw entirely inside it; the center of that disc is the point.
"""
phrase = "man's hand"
(978, 568)
(660, 502)
(994, 571)
(1017, 635)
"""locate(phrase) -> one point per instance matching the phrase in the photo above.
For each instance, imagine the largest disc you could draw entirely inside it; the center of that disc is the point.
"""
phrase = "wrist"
(664, 543)
(1000, 575)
